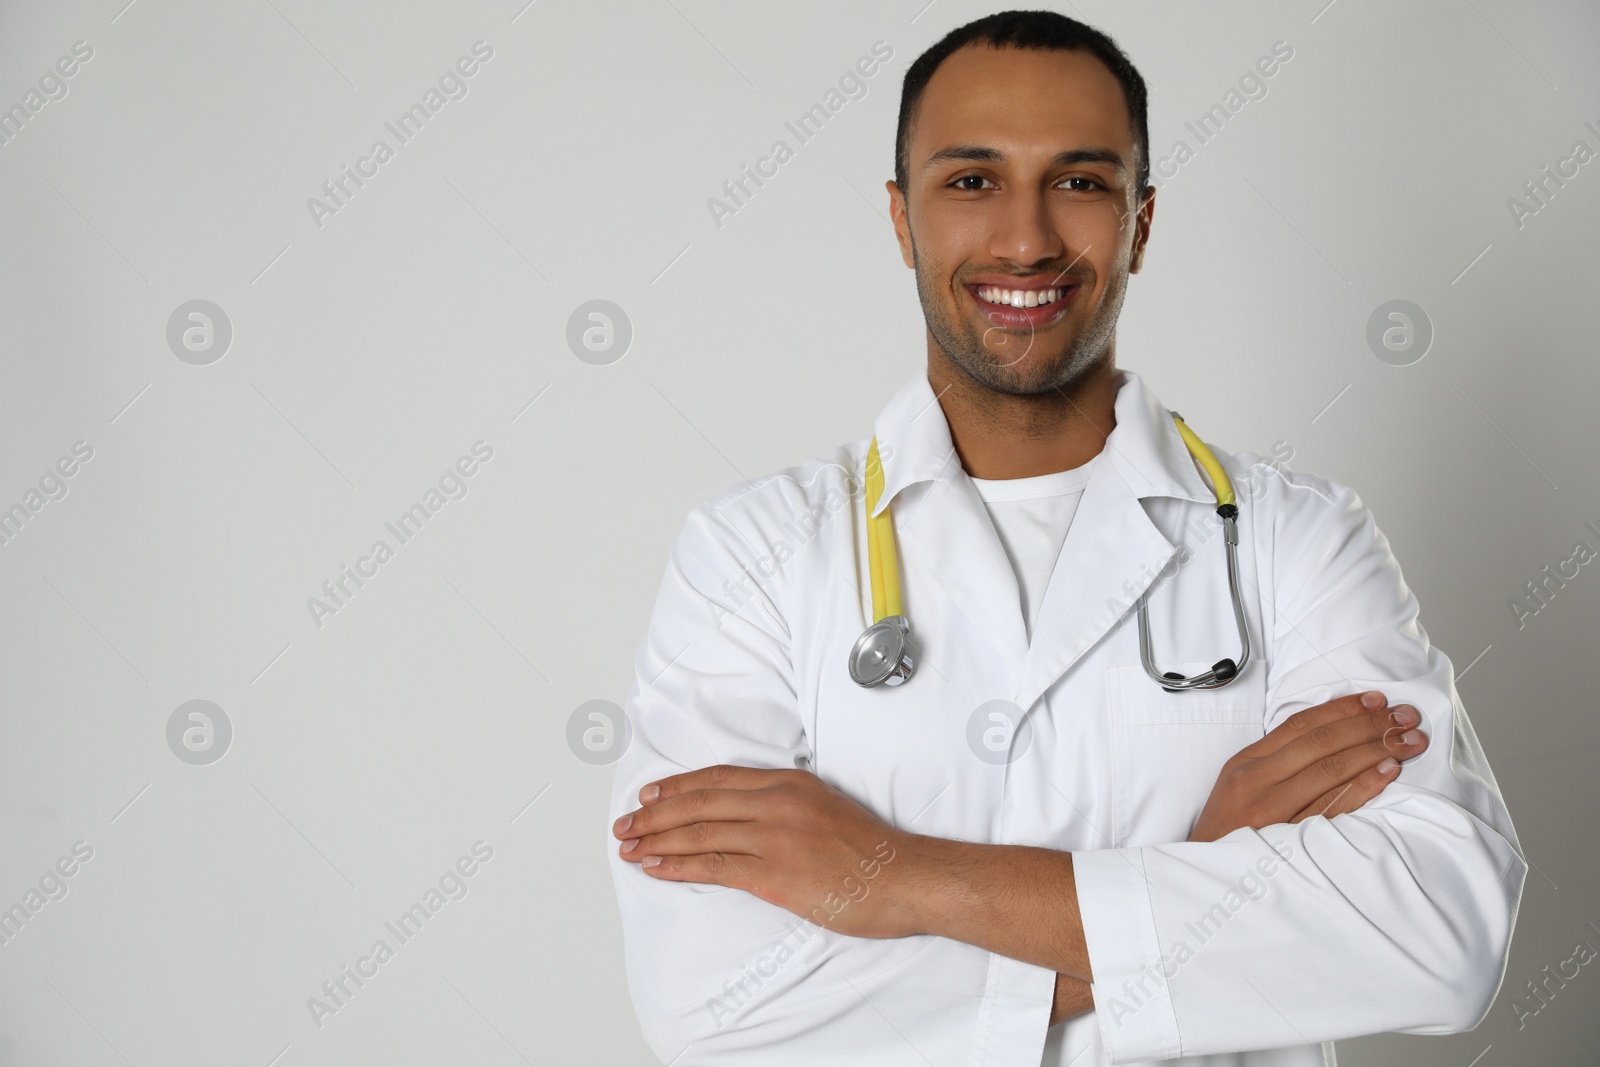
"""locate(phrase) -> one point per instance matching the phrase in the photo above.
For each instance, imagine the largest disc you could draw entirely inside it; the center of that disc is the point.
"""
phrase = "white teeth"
(1020, 297)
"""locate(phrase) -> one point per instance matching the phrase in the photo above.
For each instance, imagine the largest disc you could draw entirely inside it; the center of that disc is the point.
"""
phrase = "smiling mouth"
(1030, 309)
(1019, 298)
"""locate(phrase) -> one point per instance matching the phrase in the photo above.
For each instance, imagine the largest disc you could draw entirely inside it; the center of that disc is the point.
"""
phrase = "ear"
(902, 222)
(1141, 223)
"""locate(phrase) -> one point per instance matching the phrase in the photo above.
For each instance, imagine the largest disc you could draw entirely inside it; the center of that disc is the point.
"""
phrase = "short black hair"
(1039, 30)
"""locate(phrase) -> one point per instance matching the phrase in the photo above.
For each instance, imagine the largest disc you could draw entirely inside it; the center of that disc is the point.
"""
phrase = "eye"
(1080, 178)
(968, 178)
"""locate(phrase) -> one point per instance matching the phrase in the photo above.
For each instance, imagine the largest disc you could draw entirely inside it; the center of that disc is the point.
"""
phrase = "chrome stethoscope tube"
(1224, 670)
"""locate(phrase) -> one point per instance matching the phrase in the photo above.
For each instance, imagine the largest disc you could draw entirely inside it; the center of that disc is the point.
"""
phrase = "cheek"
(1109, 236)
(1099, 226)
(953, 233)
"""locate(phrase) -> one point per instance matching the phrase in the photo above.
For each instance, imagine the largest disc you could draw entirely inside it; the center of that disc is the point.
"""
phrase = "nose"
(1024, 231)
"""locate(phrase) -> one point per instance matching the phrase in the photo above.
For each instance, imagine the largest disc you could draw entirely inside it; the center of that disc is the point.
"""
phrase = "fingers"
(1354, 793)
(733, 839)
(712, 868)
(684, 809)
(1325, 741)
(1334, 772)
(721, 776)
(1301, 722)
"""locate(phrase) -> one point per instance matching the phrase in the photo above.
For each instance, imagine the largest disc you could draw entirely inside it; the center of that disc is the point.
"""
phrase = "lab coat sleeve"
(713, 684)
(717, 975)
(1394, 917)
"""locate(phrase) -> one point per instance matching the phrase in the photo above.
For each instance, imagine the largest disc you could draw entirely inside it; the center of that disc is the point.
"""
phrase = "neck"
(998, 435)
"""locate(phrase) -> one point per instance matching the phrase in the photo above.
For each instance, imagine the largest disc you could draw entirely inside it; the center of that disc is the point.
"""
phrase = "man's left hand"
(784, 836)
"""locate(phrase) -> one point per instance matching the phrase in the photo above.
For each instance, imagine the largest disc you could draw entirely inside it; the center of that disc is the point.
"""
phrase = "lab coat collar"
(1111, 555)
(1145, 446)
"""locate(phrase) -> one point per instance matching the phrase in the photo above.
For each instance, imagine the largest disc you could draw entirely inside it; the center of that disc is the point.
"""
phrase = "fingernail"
(630, 844)
(1389, 766)
(1373, 700)
(622, 824)
(649, 793)
(1404, 715)
(650, 861)
(1411, 737)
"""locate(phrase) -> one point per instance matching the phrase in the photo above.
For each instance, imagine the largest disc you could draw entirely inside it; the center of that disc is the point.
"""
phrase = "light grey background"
(429, 313)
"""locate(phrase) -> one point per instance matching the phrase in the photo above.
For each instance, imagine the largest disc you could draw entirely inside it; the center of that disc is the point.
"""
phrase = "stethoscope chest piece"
(880, 655)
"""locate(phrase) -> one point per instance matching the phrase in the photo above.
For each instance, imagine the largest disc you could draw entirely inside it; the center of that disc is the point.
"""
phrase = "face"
(1020, 169)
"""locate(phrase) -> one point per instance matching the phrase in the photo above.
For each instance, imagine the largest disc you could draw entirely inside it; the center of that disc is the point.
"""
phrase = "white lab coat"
(1394, 917)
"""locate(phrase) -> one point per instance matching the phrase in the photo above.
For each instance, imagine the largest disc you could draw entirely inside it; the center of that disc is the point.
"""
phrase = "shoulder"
(1295, 516)
(761, 521)
(1280, 494)
(802, 485)
(808, 492)
(1311, 533)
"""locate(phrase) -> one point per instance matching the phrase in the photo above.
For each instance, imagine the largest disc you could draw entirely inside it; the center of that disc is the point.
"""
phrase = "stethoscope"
(881, 655)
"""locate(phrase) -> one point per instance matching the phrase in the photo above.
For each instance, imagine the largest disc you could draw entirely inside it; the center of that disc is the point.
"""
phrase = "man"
(1030, 851)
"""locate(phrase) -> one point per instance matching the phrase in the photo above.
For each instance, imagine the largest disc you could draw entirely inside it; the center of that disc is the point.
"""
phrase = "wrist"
(1018, 901)
(924, 882)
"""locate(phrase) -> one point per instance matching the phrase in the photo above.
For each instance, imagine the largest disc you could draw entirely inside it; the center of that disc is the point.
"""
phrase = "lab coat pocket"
(1168, 748)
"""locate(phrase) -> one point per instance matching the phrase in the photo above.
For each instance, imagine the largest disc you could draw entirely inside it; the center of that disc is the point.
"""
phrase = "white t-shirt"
(1032, 515)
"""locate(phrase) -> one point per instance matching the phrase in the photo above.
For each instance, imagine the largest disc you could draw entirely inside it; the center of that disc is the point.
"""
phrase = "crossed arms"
(1415, 883)
(791, 840)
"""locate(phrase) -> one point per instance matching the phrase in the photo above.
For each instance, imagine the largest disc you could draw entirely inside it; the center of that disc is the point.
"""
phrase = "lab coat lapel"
(1111, 555)
(1113, 551)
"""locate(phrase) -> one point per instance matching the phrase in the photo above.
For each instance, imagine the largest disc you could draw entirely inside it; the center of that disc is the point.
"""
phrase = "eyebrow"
(973, 153)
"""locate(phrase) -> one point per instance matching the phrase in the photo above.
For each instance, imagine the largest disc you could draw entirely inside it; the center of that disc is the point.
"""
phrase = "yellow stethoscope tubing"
(1221, 484)
(882, 561)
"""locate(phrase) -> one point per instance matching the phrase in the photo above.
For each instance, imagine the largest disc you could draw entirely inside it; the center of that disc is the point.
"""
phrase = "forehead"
(1024, 102)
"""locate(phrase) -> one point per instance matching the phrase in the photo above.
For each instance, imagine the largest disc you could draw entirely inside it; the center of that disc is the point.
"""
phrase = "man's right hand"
(1325, 760)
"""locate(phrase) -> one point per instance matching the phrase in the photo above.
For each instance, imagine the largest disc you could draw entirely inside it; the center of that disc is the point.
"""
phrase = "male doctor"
(1030, 852)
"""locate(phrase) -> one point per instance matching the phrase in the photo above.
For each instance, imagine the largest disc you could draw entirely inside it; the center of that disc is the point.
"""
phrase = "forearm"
(1015, 900)
(1072, 997)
